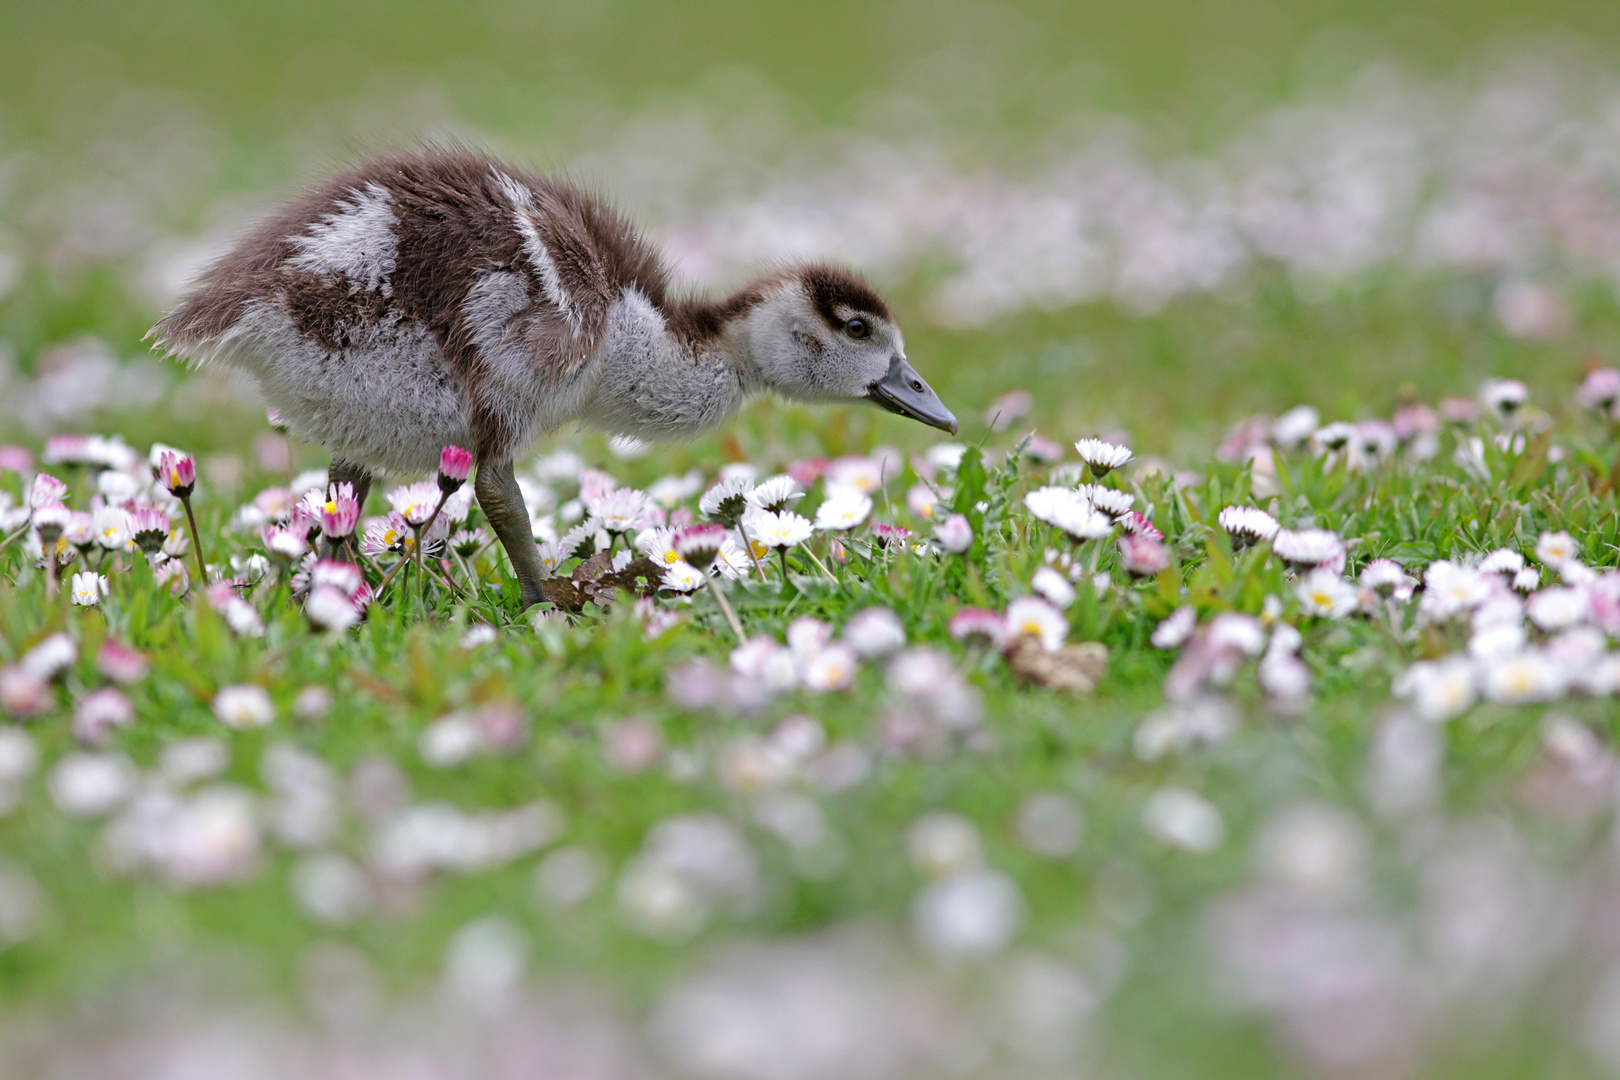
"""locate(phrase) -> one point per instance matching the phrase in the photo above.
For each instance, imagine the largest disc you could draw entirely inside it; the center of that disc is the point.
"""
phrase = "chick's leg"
(502, 503)
(346, 472)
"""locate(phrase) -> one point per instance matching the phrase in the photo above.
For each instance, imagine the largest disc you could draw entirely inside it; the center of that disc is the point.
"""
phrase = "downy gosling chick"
(440, 298)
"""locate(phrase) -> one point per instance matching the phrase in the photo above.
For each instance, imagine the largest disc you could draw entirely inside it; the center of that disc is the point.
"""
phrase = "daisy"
(46, 490)
(1173, 631)
(885, 534)
(1323, 592)
(659, 546)
(775, 494)
(1599, 390)
(727, 501)
(1502, 561)
(842, 510)
(1247, 524)
(149, 528)
(670, 491)
(1438, 689)
(1142, 555)
(874, 632)
(1387, 578)
(776, 530)
(551, 553)
(1553, 549)
(972, 623)
(1053, 586)
(454, 466)
(831, 668)
(1450, 589)
(1031, 616)
(415, 502)
(1557, 608)
(327, 608)
(618, 510)
(864, 474)
(1504, 397)
(340, 514)
(1110, 501)
(244, 706)
(1525, 677)
(954, 534)
(1231, 630)
(1306, 548)
(286, 544)
(1334, 436)
(112, 527)
(1103, 457)
(1069, 511)
(88, 588)
(682, 576)
(922, 500)
(1294, 426)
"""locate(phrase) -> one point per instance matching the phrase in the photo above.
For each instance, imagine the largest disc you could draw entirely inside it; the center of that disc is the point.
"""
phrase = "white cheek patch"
(356, 241)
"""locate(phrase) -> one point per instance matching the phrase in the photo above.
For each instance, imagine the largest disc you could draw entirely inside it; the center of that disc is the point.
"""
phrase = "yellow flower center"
(331, 507)
(760, 550)
(671, 557)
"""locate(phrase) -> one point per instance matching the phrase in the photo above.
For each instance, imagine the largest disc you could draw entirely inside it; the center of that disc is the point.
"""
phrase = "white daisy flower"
(1110, 501)
(1173, 631)
(1103, 457)
(659, 546)
(682, 576)
(88, 588)
(1504, 397)
(1502, 561)
(1231, 630)
(1068, 510)
(244, 706)
(1323, 592)
(776, 493)
(1334, 436)
(1387, 578)
(1438, 689)
(1527, 579)
(727, 501)
(1053, 586)
(670, 491)
(1554, 549)
(1294, 426)
(1557, 608)
(1525, 677)
(874, 632)
(776, 530)
(1033, 617)
(112, 527)
(1450, 589)
(415, 502)
(1309, 547)
(844, 509)
(619, 510)
(831, 667)
(1247, 524)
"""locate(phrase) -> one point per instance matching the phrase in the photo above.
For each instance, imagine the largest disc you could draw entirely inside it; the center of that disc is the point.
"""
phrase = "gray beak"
(903, 391)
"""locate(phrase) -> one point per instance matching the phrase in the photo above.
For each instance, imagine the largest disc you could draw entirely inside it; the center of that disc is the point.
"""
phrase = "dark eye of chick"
(858, 329)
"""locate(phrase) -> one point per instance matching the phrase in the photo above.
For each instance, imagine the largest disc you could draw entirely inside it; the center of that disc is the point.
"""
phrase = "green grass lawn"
(1240, 853)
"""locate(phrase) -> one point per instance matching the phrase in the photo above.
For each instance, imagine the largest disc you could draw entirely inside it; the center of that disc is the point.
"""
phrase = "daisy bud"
(179, 474)
(955, 535)
(150, 529)
(329, 609)
(454, 465)
(700, 544)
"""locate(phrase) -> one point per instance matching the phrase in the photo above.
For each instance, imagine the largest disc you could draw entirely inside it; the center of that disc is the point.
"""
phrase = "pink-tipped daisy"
(454, 466)
(1102, 457)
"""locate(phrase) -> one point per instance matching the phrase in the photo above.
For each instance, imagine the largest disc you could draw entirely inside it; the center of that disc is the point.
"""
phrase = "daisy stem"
(749, 545)
(50, 575)
(782, 552)
(196, 542)
(725, 607)
(819, 564)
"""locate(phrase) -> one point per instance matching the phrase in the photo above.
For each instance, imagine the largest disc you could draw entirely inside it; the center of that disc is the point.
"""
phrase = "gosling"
(440, 298)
